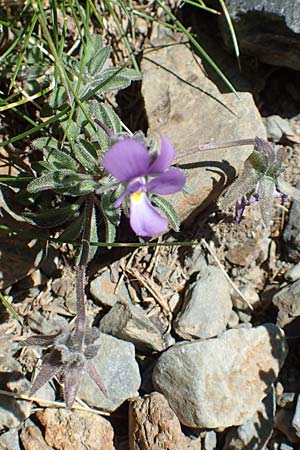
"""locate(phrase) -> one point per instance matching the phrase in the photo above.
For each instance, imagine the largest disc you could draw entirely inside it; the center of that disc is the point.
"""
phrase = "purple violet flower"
(130, 163)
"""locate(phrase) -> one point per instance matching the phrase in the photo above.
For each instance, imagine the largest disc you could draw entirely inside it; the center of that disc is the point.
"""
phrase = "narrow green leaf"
(46, 142)
(87, 156)
(62, 181)
(97, 62)
(59, 159)
(52, 217)
(10, 308)
(73, 231)
(111, 214)
(169, 210)
(94, 236)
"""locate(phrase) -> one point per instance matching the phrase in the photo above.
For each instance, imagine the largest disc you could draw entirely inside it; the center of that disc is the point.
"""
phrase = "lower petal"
(145, 220)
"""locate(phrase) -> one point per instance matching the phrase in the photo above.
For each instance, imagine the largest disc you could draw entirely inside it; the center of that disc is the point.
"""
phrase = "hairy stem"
(81, 270)
(205, 147)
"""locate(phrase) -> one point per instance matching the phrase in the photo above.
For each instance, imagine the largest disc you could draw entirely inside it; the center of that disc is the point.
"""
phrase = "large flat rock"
(185, 105)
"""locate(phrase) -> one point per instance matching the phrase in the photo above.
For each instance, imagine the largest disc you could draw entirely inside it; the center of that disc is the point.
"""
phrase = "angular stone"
(105, 291)
(206, 308)
(210, 440)
(10, 440)
(74, 430)
(267, 29)
(131, 323)
(287, 301)
(12, 410)
(220, 382)
(278, 127)
(291, 234)
(119, 372)
(293, 274)
(32, 439)
(154, 426)
(256, 432)
(187, 107)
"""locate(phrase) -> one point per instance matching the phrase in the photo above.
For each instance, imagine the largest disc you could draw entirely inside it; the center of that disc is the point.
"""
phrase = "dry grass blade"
(52, 404)
(225, 273)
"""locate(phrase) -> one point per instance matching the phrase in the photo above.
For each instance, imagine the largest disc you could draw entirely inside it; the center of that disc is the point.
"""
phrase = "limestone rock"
(220, 382)
(154, 426)
(105, 291)
(182, 103)
(256, 432)
(12, 410)
(131, 323)
(207, 306)
(287, 301)
(74, 430)
(119, 371)
(10, 440)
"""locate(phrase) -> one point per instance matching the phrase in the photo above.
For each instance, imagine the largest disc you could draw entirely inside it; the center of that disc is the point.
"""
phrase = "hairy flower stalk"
(72, 350)
(130, 163)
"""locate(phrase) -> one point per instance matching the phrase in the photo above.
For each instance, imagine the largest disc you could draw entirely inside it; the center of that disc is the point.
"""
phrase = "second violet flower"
(130, 163)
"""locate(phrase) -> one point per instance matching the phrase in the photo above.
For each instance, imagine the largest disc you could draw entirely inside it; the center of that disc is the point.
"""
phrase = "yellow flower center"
(136, 196)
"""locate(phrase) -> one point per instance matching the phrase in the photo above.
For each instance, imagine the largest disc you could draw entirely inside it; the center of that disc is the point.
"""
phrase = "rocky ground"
(199, 344)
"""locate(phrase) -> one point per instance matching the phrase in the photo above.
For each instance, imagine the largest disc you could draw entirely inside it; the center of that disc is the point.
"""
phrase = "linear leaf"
(169, 210)
(52, 217)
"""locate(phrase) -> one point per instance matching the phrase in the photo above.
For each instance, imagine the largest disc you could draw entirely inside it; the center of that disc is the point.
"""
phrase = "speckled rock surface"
(221, 382)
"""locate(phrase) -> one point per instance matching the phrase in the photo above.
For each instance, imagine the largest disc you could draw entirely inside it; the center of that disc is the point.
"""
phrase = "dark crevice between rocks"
(276, 90)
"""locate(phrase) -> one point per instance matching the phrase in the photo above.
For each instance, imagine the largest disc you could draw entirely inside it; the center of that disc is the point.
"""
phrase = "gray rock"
(286, 400)
(210, 440)
(277, 127)
(220, 382)
(293, 274)
(206, 308)
(267, 29)
(119, 371)
(233, 320)
(105, 291)
(278, 445)
(131, 323)
(186, 106)
(10, 440)
(291, 234)
(287, 301)
(296, 418)
(12, 411)
(249, 293)
(256, 432)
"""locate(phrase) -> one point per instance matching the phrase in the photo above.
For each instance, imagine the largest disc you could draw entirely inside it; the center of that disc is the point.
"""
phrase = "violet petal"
(164, 158)
(145, 220)
(121, 199)
(167, 183)
(239, 209)
(127, 159)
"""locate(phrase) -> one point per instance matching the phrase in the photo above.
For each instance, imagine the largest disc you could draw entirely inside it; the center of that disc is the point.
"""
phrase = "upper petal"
(145, 220)
(127, 159)
(167, 183)
(164, 158)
